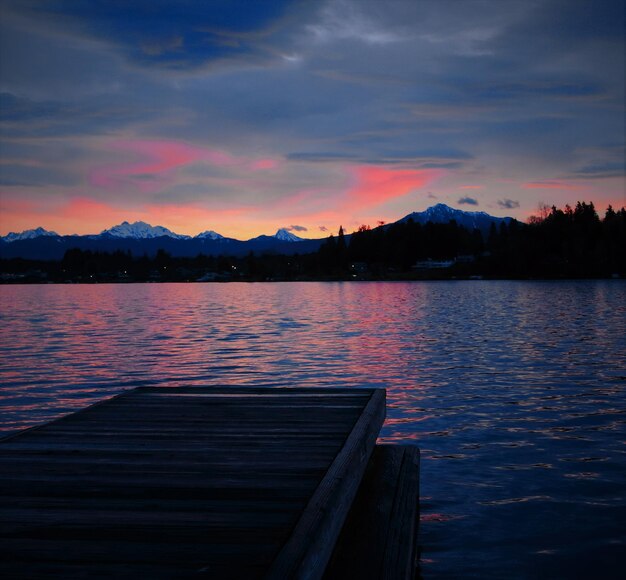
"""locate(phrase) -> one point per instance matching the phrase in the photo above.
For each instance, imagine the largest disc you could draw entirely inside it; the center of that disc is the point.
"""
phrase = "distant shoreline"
(22, 282)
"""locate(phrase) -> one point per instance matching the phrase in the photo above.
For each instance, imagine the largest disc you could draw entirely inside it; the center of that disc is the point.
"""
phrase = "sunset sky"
(244, 116)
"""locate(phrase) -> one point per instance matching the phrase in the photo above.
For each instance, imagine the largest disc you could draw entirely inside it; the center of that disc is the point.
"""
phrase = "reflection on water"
(514, 391)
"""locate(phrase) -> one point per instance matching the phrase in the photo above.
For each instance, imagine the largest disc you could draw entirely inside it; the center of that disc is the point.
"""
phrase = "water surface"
(514, 391)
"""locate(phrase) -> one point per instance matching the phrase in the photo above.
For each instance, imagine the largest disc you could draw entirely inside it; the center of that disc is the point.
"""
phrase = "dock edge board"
(306, 553)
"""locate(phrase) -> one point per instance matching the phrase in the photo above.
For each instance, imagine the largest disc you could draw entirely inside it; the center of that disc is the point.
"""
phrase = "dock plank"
(172, 482)
(378, 541)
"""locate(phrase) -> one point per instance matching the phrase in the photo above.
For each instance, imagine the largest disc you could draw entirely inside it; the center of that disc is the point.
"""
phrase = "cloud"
(296, 229)
(162, 166)
(467, 201)
(296, 108)
(344, 20)
(549, 184)
(508, 203)
(541, 90)
(22, 117)
(151, 163)
(32, 175)
(321, 157)
(263, 164)
(607, 169)
(376, 185)
(419, 158)
(323, 228)
(182, 36)
(154, 48)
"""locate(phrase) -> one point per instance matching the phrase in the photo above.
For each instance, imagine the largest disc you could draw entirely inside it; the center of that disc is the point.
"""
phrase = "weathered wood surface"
(378, 541)
(166, 483)
(307, 551)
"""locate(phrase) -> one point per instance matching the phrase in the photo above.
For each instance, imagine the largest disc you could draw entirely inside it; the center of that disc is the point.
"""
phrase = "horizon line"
(286, 228)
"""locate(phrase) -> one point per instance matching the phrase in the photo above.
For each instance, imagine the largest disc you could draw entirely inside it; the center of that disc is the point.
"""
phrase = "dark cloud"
(545, 89)
(450, 165)
(508, 203)
(425, 159)
(322, 157)
(467, 201)
(296, 229)
(499, 89)
(179, 35)
(23, 117)
(323, 228)
(608, 169)
(27, 175)
(461, 49)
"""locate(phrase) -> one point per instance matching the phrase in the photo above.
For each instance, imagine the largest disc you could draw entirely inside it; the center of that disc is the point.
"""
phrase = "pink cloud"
(263, 164)
(376, 185)
(153, 164)
(471, 187)
(549, 184)
(357, 188)
(150, 160)
(309, 200)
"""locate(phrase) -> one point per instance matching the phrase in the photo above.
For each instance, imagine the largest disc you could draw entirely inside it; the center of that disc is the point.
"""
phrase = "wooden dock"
(217, 482)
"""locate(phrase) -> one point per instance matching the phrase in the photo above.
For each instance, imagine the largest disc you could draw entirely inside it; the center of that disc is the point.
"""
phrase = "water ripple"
(514, 391)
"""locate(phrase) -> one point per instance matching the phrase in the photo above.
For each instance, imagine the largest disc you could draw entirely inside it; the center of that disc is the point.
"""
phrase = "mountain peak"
(140, 230)
(284, 235)
(442, 207)
(442, 214)
(209, 235)
(28, 235)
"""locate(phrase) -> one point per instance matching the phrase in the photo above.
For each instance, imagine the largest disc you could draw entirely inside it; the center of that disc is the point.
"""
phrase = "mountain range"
(141, 238)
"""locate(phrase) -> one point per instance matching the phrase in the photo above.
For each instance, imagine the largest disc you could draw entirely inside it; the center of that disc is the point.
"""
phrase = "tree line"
(561, 243)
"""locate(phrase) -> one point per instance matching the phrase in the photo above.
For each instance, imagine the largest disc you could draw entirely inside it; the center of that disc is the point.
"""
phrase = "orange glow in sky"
(305, 115)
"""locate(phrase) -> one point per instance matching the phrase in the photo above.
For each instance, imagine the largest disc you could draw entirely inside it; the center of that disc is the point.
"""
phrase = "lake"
(514, 391)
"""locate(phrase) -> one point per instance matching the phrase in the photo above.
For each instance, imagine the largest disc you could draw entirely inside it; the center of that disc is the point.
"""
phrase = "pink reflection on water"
(74, 344)
(511, 390)
(438, 517)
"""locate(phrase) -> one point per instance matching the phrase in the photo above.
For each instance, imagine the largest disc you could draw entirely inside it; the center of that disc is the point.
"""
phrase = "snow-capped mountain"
(28, 235)
(442, 214)
(285, 235)
(140, 238)
(209, 235)
(140, 231)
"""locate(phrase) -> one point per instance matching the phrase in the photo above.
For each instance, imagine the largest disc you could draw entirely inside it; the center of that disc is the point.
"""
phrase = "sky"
(245, 116)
